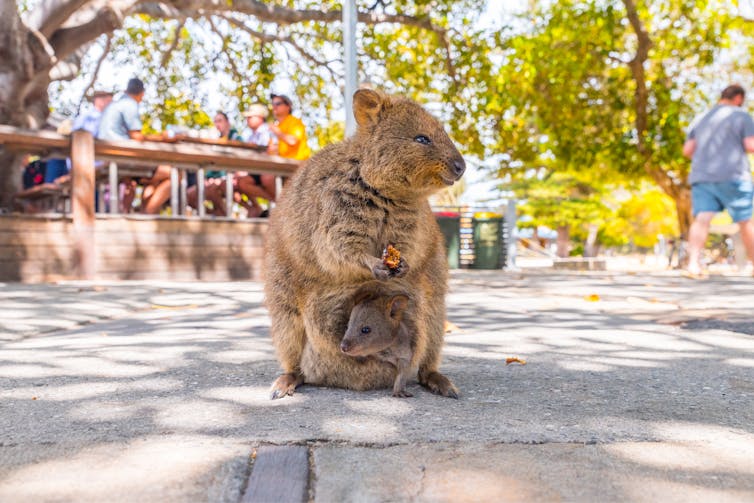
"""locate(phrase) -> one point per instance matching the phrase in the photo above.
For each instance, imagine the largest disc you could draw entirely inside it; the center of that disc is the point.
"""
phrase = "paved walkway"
(637, 388)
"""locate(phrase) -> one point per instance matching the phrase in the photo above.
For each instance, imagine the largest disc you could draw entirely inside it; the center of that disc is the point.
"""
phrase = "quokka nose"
(344, 347)
(459, 166)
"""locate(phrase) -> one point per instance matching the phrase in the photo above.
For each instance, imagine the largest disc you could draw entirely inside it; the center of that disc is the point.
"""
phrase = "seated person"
(121, 121)
(214, 183)
(256, 186)
(289, 130)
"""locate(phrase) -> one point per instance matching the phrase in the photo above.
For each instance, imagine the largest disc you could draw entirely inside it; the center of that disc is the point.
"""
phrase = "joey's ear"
(398, 305)
(367, 105)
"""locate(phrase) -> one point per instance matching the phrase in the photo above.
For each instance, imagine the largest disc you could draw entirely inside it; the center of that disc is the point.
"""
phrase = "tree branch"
(281, 15)
(95, 73)
(239, 76)
(264, 37)
(67, 40)
(641, 104)
(51, 14)
(176, 39)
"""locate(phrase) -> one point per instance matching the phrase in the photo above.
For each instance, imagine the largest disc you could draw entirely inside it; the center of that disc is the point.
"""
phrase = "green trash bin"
(488, 240)
(450, 225)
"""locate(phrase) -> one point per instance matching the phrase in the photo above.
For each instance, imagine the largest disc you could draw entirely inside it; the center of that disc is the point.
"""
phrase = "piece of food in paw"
(391, 257)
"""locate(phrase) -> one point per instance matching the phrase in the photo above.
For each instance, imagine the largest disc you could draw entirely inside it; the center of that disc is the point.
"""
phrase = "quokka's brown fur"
(327, 234)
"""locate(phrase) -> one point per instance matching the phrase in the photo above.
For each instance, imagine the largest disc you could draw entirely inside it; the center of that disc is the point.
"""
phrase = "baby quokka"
(377, 329)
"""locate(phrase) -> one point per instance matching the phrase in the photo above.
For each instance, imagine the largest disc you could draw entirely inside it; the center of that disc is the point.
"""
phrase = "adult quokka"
(327, 234)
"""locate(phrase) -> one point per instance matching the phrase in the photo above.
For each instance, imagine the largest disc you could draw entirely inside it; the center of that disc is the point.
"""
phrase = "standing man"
(89, 121)
(720, 177)
(121, 121)
(290, 131)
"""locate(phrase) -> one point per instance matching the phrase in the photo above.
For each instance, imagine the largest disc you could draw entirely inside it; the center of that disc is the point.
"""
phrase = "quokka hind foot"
(438, 384)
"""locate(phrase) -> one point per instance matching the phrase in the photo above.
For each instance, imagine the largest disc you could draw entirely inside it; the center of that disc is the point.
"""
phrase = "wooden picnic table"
(182, 156)
(138, 158)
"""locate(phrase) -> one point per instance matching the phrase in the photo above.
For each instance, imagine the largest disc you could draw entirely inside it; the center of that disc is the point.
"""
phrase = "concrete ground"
(637, 387)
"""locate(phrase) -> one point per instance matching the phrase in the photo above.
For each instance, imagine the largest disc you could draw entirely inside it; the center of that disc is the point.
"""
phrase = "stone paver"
(638, 387)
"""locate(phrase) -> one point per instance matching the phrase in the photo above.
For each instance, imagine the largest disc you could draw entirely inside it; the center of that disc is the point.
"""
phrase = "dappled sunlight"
(723, 339)
(456, 485)
(107, 411)
(85, 366)
(700, 432)
(702, 456)
(362, 428)
(240, 356)
(658, 488)
(253, 396)
(740, 362)
(584, 366)
(89, 389)
(197, 415)
(385, 406)
(145, 469)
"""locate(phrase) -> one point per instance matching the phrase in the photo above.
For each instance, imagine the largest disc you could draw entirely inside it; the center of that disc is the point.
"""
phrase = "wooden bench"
(43, 198)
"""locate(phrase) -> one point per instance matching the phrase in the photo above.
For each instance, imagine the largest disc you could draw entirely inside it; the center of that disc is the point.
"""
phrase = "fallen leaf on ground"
(451, 327)
(187, 306)
(592, 298)
(508, 361)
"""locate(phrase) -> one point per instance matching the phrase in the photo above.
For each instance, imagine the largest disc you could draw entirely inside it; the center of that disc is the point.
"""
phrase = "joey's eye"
(365, 330)
(422, 139)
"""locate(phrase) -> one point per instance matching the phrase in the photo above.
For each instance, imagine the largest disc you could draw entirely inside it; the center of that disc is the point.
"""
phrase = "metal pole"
(200, 208)
(114, 189)
(349, 61)
(229, 193)
(174, 191)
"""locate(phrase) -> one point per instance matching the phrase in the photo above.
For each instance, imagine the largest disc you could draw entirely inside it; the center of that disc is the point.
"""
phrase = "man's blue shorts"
(734, 196)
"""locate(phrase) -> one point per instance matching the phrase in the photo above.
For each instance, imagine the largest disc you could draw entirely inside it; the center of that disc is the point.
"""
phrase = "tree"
(48, 41)
(606, 86)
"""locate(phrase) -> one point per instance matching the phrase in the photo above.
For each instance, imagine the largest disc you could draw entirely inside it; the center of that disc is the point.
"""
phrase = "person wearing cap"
(89, 120)
(256, 186)
(121, 121)
(289, 130)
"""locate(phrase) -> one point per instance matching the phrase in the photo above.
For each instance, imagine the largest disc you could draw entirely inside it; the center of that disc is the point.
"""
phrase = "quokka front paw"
(285, 385)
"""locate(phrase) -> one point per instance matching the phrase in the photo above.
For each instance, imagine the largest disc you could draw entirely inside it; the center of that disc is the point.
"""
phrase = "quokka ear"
(367, 105)
(363, 294)
(397, 306)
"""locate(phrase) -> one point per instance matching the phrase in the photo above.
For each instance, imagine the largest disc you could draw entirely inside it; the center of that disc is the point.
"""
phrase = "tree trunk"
(590, 247)
(24, 65)
(683, 210)
(563, 241)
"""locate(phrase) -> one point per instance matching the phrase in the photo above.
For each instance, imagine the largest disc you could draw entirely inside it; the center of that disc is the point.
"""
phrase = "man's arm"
(136, 135)
(749, 143)
(689, 147)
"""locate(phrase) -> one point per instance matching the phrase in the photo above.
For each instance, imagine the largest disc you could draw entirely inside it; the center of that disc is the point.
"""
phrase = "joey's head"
(373, 325)
(405, 150)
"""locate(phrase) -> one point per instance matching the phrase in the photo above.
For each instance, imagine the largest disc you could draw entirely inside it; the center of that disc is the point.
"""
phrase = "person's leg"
(697, 237)
(129, 193)
(246, 186)
(157, 190)
(747, 236)
(159, 196)
(739, 204)
(216, 193)
(268, 184)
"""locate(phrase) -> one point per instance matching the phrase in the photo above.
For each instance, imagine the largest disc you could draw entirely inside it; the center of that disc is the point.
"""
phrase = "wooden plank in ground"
(279, 474)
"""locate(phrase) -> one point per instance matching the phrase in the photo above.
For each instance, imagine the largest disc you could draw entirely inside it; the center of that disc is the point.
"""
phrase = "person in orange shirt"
(290, 131)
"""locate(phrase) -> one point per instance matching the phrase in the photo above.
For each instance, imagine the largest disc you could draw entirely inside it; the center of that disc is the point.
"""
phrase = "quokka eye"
(423, 140)
(365, 330)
